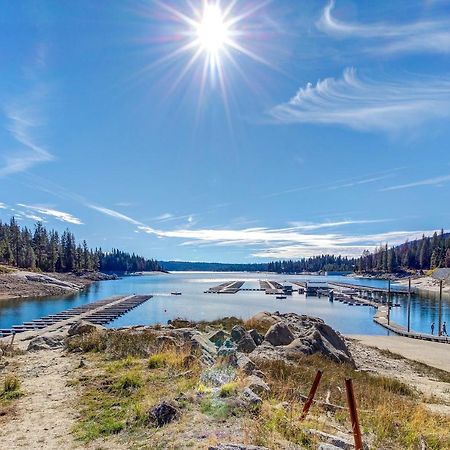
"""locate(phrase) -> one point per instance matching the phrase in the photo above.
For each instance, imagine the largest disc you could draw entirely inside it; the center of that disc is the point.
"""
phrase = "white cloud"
(286, 242)
(368, 105)
(25, 118)
(3, 206)
(163, 217)
(112, 213)
(317, 226)
(436, 181)
(58, 215)
(431, 35)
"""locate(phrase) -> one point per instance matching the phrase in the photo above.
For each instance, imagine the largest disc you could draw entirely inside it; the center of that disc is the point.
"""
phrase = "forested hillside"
(423, 254)
(48, 251)
(314, 264)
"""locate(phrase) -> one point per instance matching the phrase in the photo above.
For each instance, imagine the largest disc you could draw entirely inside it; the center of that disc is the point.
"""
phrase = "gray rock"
(200, 342)
(323, 446)
(246, 344)
(256, 336)
(279, 334)
(235, 447)
(265, 319)
(245, 363)
(46, 342)
(257, 385)
(250, 397)
(238, 332)
(163, 414)
(311, 336)
(218, 337)
(330, 439)
(83, 327)
(166, 341)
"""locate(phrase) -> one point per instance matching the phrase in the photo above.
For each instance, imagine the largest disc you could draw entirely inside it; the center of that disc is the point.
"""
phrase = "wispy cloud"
(340, 184)
(368, 105)
(318, 226)
(24, 119)
(113, 213)
(58, 215)
(286, 242)
(3, 206)
(436, 181)
(432, 35)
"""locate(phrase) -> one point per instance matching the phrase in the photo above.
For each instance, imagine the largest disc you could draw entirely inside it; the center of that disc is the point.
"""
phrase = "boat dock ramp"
(100, 312)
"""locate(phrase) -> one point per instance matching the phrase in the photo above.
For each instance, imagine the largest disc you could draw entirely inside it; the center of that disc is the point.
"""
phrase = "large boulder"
(243, 339)
(256, 336)
(46, 342)
(84, 327)
(237, 333)
(279, 334)
(218, 337)
(264, 319)
(295, 335)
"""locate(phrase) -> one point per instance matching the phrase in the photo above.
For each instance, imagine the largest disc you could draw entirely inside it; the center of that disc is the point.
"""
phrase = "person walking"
(432, 327)
(444, 329)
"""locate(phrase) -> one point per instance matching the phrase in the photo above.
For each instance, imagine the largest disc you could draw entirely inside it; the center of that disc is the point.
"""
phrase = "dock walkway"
(100, 312)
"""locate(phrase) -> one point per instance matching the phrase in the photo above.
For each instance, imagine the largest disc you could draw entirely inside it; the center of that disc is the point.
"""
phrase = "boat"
(176, 293)
(280, 297)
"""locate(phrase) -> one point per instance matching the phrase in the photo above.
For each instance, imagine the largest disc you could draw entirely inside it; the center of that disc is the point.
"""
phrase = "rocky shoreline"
(16, 284)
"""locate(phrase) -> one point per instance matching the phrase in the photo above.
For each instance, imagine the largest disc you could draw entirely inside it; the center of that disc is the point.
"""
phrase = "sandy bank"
(22, 284)
(425, 283)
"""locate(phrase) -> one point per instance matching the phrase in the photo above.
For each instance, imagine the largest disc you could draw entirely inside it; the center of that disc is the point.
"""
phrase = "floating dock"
(100, 312)
(230, 287)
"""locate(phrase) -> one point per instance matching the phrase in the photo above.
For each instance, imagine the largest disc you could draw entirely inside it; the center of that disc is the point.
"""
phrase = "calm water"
(196, 305)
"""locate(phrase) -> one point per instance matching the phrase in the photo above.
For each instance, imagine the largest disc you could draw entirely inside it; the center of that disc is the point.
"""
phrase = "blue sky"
(318, 127)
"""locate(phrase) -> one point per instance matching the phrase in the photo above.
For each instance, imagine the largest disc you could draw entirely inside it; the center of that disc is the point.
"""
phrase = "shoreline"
(21, 284)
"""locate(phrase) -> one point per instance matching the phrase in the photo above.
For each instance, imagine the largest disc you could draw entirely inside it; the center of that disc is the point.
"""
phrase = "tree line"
(329, 263)
(49, 251)
(422, 254)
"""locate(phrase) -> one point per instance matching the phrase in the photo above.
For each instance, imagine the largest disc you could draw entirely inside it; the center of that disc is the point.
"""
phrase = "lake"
(194, 304)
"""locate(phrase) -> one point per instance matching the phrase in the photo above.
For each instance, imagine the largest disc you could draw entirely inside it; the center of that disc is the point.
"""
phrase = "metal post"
(389, 303)
(440, 308)
(409, 304)
(353, 415)
(311, 395)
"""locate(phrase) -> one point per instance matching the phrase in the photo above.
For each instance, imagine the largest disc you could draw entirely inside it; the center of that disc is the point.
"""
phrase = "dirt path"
(433, 354)
(435, 392)
(44, 415)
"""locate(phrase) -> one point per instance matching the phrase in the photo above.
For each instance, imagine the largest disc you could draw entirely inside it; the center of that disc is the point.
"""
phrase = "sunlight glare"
(212, 31)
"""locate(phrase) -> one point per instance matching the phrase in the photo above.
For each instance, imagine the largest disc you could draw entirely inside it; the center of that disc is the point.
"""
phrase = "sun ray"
(218, 33)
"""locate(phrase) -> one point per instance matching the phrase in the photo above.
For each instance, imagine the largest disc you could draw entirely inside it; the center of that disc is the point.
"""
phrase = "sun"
(211, 37)
(213, 31)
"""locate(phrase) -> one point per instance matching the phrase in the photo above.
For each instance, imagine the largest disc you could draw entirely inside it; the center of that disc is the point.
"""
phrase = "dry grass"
(133, 373)
(225, 323)
(118, 395)
(390, 411)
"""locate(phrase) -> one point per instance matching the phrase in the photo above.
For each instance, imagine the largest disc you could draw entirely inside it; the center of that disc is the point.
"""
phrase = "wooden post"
(440, 308)
(12, 342)
(409, 304)
(311, 395)
(353, 414)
